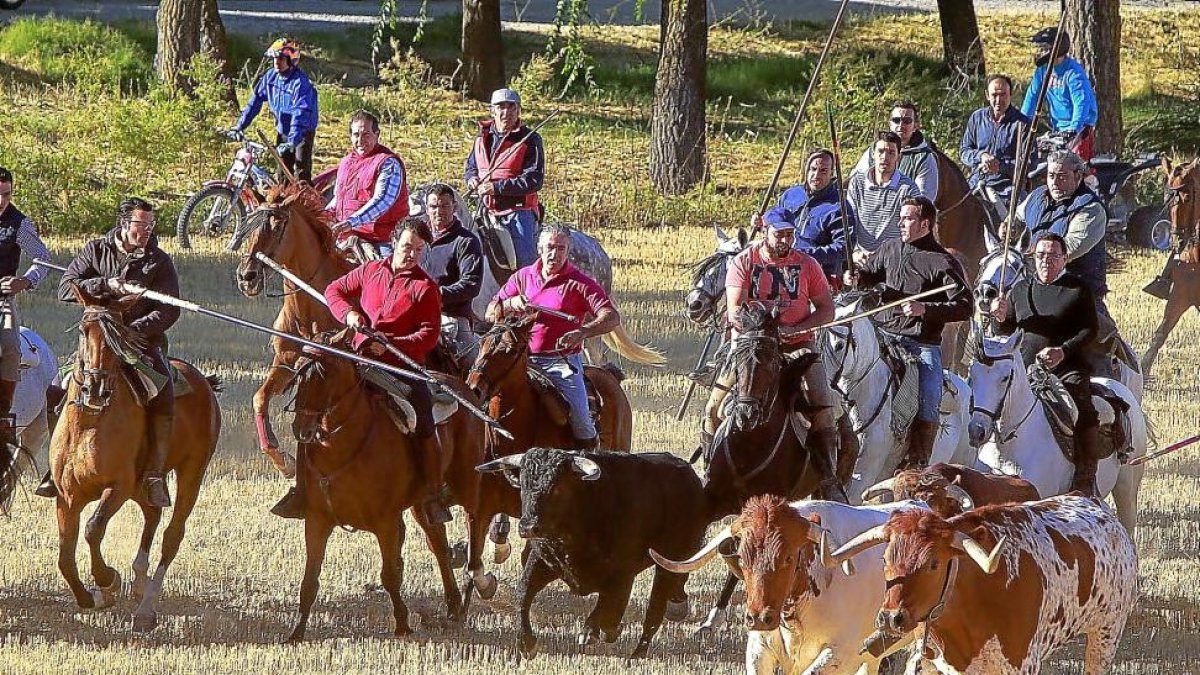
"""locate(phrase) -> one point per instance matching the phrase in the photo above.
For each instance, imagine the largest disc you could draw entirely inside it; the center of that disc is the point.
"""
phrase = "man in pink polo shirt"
(555, 343)
(775, 273)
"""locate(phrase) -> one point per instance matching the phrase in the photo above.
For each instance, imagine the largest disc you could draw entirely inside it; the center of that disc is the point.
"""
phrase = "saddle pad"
(907, 398)
(1061, 413)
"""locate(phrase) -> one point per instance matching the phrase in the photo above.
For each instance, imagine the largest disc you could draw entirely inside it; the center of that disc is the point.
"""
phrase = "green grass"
(84, 54)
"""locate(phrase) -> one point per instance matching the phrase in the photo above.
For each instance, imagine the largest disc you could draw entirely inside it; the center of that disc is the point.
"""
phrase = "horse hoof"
(588, 637)
(704, 632)
(677, 611)
(114, 586)
(501, 552)
(402, 631)
(458, 555)
(144, 623)
(528, 647)
(486, 585)
(102, 598)
(295, 638)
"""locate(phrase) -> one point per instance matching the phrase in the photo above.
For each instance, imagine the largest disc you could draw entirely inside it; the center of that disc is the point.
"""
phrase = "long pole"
(847, 229)
(691, 390)
(512, 149)
(1174, 447)
(812, 85)
(894, 303)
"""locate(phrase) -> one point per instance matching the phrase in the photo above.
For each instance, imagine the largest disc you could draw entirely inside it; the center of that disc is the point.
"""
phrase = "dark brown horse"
(1184, 183)
(98, 451)
(960, 229)
(364, 473)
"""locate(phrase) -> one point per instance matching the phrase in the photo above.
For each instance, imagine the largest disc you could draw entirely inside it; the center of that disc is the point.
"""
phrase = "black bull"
(591, 519)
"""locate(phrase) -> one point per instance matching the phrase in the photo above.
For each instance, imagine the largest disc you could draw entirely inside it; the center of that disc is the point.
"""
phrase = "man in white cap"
(506, 168)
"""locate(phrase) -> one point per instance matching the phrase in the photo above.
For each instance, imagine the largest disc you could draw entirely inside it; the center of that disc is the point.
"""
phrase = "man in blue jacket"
(1070, 99)
(813, 209)
(989, 145)
(292, 99)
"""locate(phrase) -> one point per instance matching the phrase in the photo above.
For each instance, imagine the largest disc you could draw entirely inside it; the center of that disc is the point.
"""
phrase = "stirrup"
(290, 506)
(47, 488)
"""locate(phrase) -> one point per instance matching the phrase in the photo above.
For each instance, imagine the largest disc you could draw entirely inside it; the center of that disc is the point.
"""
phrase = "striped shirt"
(877, 207)
(387, 191)
(33, 248)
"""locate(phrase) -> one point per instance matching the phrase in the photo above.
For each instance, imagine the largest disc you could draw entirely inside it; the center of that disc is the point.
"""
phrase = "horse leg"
(719, 614)
(666, 586)
(145, 618)
(435, 540)
(277, 380)
(32, 438)
(107, 579)
(1176, 306)
(317, 528)
(391, 540)
(151, 516)
(68, 539)
(1125, 495)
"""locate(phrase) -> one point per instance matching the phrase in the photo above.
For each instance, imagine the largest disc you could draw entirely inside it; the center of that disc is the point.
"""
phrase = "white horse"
(1011, 266)
(39, 370)
(1010, 428)
(851, 354)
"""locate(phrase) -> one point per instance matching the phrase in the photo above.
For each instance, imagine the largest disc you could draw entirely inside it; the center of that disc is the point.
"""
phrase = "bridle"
(754, 338)
(499, 331)
(994, 416)
(95, 385)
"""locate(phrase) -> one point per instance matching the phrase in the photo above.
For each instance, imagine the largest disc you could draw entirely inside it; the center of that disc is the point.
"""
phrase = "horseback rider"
(774, 272)
(17, 235)
(454, 259)
(1070, 98)
(555, 342)
(814, 211)
(875, 195)
(125, 262)
(1058, 315)
(292, 99)
(370, 194)
(508, 180)
(989, 145)
(913, 263)
(393, 299)
(917, 158)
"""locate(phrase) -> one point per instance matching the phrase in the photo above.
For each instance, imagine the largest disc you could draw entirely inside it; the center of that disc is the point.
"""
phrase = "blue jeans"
(566, 372)
(929, 373)
(523, 227)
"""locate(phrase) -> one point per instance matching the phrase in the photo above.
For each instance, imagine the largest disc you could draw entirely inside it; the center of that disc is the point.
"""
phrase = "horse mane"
(309, 205)
(700, 268)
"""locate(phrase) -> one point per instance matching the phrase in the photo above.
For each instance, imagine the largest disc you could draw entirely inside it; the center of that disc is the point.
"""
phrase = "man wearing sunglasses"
(917, 158)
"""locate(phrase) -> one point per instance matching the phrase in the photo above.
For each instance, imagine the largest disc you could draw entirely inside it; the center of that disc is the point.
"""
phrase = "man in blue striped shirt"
(370, 193)
(292, 99)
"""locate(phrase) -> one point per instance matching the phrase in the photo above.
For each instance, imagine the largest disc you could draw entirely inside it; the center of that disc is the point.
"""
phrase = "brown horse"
(1184, 182)
(364, 473)
(959, 228)
(99, 448)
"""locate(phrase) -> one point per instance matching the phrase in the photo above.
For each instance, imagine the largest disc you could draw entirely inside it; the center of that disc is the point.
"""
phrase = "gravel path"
(278, 16)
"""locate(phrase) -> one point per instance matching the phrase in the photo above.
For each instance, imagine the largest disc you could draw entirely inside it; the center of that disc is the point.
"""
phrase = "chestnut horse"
(1184, 183)
(363, 473)
(98, 451)
(960, 230)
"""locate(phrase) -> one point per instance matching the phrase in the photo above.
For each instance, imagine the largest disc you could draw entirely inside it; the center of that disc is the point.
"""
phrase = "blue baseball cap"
(777, 219)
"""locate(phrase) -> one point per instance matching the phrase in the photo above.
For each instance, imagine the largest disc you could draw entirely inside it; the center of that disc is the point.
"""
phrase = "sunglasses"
(902, 120)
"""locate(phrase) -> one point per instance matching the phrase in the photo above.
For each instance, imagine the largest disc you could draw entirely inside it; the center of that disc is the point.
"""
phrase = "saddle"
(497, 246)
(143, 380)
(555, 403)
(397, 405)
(1061, 412)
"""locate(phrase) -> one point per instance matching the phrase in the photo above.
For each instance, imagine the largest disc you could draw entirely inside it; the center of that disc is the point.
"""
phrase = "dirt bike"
(11, 4)
(219, 206)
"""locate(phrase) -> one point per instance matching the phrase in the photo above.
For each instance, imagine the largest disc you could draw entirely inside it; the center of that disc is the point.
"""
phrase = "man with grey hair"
(506, 168)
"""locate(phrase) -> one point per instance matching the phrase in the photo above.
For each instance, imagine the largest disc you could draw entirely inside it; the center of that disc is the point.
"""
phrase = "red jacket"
(356, 178)
(511, 167)
(406, 306)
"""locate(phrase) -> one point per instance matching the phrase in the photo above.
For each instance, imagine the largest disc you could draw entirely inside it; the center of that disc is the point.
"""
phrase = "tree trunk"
(1095, 30)
(961, 45)
(178, 40)
(212, 41)
(678, 152)
(482, 48)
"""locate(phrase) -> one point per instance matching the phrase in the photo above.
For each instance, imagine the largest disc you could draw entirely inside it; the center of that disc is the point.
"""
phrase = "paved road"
(276, 16)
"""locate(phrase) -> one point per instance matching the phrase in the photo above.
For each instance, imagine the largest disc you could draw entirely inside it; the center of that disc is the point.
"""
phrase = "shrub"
(85, 54)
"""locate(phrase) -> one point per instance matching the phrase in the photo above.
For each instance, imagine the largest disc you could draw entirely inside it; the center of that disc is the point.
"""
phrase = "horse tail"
(620, 342)
(10, 475)
(215, 381)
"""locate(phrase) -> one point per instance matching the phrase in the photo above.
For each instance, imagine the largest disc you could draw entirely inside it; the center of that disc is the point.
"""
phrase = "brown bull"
(950, 489)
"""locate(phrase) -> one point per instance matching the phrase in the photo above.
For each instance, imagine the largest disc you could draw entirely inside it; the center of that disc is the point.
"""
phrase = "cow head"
(775, 549)
(932, 485)
(552, 487)
(919, 563)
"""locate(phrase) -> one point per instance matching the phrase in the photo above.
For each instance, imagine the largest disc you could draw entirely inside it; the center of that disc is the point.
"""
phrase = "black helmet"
(1044, 39)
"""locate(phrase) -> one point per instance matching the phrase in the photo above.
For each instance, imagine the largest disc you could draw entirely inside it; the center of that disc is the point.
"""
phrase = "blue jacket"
(1070, 98)
(291, 98)
(818, 222)
(998, 139)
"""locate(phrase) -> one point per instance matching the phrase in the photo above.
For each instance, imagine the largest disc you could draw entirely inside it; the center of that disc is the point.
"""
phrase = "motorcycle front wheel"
(11, 4)
(213, 212)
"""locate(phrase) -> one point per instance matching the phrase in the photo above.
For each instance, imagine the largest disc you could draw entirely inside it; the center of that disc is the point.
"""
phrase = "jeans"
(566, 372)
(929, 373)
(522, 226)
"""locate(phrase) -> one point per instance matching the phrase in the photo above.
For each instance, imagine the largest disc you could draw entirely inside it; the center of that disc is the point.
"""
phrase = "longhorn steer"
(1000, 588)
(802, 616)
(950, 489)
(591, 519)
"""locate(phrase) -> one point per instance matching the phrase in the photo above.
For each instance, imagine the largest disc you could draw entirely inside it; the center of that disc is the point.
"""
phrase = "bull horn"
(700, 559)
(825, 546)
(882, 487)
(497, 465)
(587, 468)
(865, 540)
(960, 495)
(986, 561)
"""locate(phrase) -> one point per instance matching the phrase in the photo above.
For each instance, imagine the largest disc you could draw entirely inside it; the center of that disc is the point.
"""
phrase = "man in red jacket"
(394, 299)
(370, 195)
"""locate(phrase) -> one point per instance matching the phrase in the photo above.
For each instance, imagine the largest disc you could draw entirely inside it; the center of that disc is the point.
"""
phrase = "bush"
(85, 54)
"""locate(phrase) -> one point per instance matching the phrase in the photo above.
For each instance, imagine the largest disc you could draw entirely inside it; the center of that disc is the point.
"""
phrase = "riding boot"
(8, 421)
(1087, 453)
(822, 448)
(921, 437)
(46, 488)
(292, 504)
(154, 479)
(848, 449)
(436, 504)
(1160, 286)
(587, 443)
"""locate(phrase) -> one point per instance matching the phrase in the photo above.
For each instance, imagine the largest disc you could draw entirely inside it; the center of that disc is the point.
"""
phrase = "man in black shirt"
(1058, 314)
(454, 260)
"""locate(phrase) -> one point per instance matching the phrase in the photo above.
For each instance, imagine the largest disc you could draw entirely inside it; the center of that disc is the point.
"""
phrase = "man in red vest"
(370, 195)
(508, 178)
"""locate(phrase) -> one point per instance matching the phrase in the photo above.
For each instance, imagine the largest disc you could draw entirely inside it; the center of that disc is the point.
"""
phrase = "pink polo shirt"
(569, 291)
(790, 283)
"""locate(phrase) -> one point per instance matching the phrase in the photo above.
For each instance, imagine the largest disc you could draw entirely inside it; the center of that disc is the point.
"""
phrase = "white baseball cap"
(505, 96)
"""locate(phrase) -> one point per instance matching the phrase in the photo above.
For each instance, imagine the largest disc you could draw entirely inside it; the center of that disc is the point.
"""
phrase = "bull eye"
(933, 565)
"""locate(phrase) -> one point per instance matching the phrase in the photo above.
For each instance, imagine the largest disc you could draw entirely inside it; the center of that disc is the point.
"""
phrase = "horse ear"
(721, 236)
(743, 237)
(80, 296)
(1166, 166)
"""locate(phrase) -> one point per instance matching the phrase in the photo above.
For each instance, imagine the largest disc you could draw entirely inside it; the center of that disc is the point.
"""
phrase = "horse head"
(102, 333)
(708, 278)
(322, 382)
(267, 229)
(757, 361)
(995, 367)
(1183, 183)
(850, 349)
(1000, 266)
(503, 354)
